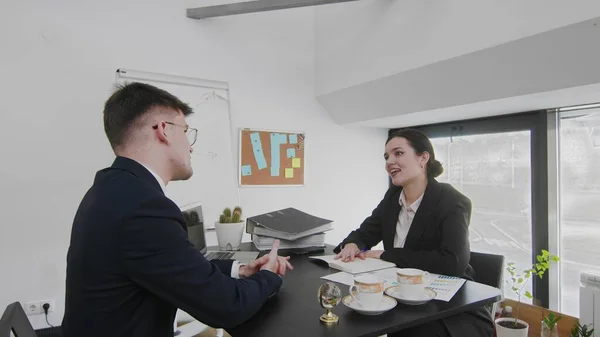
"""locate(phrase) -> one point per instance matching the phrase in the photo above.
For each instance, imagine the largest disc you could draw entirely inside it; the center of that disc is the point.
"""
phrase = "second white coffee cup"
(367, 291)
(412, 282)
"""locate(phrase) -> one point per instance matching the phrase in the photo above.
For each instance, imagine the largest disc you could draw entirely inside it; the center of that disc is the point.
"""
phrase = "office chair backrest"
(15, 320)
(489, 268)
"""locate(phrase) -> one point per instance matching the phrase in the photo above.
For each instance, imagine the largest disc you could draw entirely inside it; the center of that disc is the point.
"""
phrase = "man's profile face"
(181, 151)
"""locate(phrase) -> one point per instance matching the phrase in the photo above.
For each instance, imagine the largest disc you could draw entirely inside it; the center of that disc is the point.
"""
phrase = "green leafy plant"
(519, 280)
(229, 216)
(579, 330)
(551, 320)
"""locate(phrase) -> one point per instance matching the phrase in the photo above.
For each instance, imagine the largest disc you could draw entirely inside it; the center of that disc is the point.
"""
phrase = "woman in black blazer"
(424, 224)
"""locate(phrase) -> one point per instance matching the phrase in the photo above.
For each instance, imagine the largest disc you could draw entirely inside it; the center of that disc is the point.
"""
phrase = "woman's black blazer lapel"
(391, 219)
(425, 214)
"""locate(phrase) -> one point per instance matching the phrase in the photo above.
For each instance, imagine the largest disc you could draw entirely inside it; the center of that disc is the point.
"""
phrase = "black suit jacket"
(438, 242)
(130, 264)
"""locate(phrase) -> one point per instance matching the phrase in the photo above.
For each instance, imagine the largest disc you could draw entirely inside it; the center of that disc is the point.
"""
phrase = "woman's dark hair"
(420, 143)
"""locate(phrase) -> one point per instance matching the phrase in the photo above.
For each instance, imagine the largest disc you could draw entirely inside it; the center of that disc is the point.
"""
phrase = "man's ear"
(161, 132)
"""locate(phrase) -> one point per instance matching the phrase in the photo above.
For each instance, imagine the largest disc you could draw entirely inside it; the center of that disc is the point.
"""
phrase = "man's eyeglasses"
(191, 133)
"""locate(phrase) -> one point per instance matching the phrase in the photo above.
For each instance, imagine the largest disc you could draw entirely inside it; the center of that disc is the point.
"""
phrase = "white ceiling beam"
(253, 7)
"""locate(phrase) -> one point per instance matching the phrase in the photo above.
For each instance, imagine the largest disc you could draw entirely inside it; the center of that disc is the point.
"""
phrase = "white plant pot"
(507, 332)
(229, 235)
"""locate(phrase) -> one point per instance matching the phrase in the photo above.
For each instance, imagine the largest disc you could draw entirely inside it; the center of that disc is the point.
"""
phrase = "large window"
(534, 183)
(501, 164)
(494, 171)
(579, 163)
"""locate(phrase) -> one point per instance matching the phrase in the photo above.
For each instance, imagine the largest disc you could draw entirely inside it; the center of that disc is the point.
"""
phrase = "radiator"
(589, 301)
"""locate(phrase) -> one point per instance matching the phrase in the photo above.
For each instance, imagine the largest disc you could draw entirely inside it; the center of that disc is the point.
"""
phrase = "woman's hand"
(350, 252)
(374, 254)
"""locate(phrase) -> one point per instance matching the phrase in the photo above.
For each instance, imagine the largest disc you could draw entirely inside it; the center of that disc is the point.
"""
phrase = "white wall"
(57, 64)
(365, 40)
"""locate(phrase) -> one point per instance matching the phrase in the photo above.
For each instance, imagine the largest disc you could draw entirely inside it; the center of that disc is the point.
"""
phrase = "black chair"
(15, 320)
(489, 270)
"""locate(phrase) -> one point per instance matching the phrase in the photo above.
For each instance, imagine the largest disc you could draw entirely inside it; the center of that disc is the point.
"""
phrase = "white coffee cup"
(412, 283)
(367, 291)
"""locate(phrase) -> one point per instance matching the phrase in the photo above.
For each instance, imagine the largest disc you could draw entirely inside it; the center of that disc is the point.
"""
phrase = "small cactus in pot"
(230, 228)
(229, 216)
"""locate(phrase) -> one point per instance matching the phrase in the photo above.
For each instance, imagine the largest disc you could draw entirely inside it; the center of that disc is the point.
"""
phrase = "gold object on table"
(329, 296)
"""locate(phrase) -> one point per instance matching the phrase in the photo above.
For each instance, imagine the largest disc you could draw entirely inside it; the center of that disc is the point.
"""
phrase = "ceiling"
(399, 63)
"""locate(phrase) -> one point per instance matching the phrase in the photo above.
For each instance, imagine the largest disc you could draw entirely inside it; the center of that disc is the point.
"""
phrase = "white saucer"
(387, 304)
(394, 292)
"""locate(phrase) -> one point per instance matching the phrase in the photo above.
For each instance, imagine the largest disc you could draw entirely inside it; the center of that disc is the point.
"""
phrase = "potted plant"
(513, 326)
(550, 325)
(230, 228)
(581, 331)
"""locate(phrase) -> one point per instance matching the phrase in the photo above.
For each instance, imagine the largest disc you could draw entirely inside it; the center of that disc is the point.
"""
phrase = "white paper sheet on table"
(387, 275)
(340, 277)
(445, 286)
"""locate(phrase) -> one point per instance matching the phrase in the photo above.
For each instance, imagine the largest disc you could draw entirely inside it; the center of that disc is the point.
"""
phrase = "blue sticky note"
(291, 153)
(280, 137)
(246, 170)
(276, 140)
(294, 139)
(259, 155)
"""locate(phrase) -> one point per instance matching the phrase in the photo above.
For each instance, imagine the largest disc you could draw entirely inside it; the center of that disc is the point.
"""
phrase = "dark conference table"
(295, 310)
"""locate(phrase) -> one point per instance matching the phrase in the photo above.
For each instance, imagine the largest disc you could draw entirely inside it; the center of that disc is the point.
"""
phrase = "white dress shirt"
(405, 218)
(235, 267)
(159, 179)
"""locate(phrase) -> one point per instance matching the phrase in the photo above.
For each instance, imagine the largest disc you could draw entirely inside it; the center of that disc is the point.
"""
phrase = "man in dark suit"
(130, 264)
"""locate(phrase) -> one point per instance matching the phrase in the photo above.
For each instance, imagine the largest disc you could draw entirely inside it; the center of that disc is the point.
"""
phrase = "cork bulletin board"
(271, 158)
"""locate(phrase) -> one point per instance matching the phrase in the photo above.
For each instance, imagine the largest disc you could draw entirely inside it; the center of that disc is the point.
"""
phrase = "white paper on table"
(387, 275)
(445, 286)
(340, 277)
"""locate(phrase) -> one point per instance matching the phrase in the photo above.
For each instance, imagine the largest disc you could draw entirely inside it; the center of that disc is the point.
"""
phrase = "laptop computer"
(241, 256)
(194, 220)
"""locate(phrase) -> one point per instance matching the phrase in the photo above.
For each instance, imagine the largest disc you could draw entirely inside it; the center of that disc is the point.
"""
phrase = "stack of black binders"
(294, 229)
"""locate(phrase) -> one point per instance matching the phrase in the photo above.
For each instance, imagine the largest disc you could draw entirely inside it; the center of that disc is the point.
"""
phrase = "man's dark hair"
(129, 103)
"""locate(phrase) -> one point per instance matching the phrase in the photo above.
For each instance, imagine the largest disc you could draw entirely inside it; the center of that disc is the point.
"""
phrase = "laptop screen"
(194, 222)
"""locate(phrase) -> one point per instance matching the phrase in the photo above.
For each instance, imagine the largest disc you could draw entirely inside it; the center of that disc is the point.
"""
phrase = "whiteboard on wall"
(214, 182)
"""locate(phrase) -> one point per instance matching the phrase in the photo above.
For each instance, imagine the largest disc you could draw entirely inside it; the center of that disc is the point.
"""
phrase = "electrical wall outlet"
(32, 308)
(50, 302)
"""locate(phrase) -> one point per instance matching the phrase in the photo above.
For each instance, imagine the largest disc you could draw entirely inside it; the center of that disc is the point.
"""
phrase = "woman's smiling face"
(402, 163)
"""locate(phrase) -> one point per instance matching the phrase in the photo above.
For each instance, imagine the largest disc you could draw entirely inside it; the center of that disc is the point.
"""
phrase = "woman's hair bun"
(434, 168)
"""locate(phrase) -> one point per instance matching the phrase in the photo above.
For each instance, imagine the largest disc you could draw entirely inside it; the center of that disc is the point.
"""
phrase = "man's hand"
(349, 252)
(254, 266)
(281, 263)
(274, 263)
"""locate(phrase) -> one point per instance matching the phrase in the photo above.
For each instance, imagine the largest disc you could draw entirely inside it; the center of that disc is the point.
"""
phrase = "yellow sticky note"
(295, 162)
(289, 173)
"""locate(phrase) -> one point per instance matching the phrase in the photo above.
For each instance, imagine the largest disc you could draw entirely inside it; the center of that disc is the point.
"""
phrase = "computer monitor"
(194, 221)
(15, 320)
